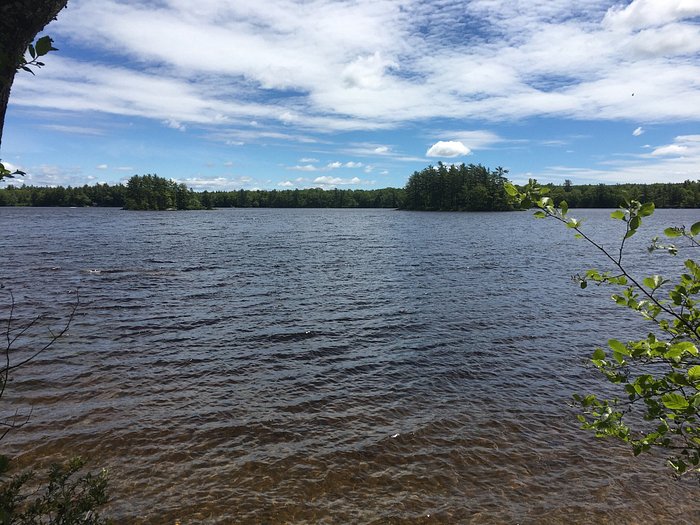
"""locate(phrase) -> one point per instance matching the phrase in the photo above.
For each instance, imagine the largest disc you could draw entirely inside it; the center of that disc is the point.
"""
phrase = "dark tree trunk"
(20, 21)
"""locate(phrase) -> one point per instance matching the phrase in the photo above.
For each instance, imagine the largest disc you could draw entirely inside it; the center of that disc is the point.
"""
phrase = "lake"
(328, 366)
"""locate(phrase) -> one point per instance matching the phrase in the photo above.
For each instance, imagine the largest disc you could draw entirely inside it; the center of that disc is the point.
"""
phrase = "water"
(327, 366)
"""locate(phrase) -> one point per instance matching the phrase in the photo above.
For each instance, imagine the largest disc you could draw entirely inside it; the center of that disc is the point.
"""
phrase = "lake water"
(328, 366)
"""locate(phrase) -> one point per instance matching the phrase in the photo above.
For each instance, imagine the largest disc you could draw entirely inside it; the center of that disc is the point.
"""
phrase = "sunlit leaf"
(673, 232)
(617, 346)
(618, 214)
(646, 209)
(674, 401)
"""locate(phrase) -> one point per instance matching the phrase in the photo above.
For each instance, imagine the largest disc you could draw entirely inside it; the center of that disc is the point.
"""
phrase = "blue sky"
(229, 94)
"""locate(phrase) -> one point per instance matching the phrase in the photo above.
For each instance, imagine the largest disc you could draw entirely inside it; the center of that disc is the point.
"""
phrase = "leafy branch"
(659, 376)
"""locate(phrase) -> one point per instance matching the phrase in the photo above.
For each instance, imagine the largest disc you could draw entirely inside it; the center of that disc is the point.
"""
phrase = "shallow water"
(327, 366)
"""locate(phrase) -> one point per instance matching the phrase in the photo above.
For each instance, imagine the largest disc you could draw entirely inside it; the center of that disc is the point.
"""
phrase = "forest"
(440, 188)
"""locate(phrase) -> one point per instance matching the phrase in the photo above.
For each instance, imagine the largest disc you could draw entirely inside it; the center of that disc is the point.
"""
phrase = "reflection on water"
(327, 366)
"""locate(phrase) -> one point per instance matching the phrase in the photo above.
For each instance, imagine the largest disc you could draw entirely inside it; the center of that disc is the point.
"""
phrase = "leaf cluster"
(38, 49)
(68, 496)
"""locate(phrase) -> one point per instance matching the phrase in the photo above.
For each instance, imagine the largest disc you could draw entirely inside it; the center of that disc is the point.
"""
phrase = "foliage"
(151, 192)
(115, 195)
(657, 375)
(457, 188)
(663, 195)
(68, 497)
(41, 47)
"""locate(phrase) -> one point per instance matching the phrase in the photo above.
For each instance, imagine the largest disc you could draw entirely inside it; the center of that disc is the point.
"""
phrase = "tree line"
(440, 188)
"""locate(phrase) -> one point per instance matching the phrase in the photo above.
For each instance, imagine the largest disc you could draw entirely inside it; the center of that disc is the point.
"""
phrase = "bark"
(20, 21)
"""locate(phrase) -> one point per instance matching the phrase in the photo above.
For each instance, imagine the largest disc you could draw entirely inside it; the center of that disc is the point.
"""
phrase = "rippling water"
(327, 366)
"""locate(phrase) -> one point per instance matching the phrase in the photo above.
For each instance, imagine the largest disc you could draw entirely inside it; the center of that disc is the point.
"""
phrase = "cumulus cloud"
(327, 180)
(449, 149)
(638, 131)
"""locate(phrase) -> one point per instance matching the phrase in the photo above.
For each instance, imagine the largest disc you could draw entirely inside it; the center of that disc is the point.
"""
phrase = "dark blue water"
(327, 366)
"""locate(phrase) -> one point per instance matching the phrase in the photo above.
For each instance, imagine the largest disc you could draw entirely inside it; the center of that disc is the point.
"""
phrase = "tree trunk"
(20, 21)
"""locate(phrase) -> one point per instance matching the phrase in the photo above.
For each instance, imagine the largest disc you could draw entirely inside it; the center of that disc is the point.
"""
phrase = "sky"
(231, 94)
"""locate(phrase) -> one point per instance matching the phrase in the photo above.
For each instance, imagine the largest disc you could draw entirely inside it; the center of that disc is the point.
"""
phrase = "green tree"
(658, 374)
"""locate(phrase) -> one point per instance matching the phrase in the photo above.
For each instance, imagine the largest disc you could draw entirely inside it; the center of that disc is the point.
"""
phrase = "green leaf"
(564, 206)
(619, 214)
(653, 282)
(672, 232)
(685, 347)
(695, 228)
(510, 189)
(646, 209)
(31, 50)
(673, 353)
(635, 222)
(618, 347)
(598, 355)
(694, 373)
(540, 215)
(674, 401)
(630, 233)
(44, 45)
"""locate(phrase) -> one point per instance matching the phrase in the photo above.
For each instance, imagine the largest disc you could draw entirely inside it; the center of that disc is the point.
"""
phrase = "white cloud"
(671, 149)
(304, 167)
(102, 167)
(476, 139)
(327, 180)
(294, 68)
(78, 130)
(199, 183)
(367, 71)
(286, 184)
(638, 131)
(328, 167)
(449, 149)
(174, 124)
(308, 160)
(674, 162)
(648, 13)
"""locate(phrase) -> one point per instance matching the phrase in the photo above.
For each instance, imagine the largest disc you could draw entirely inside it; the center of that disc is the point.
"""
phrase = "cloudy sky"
(228, 94)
